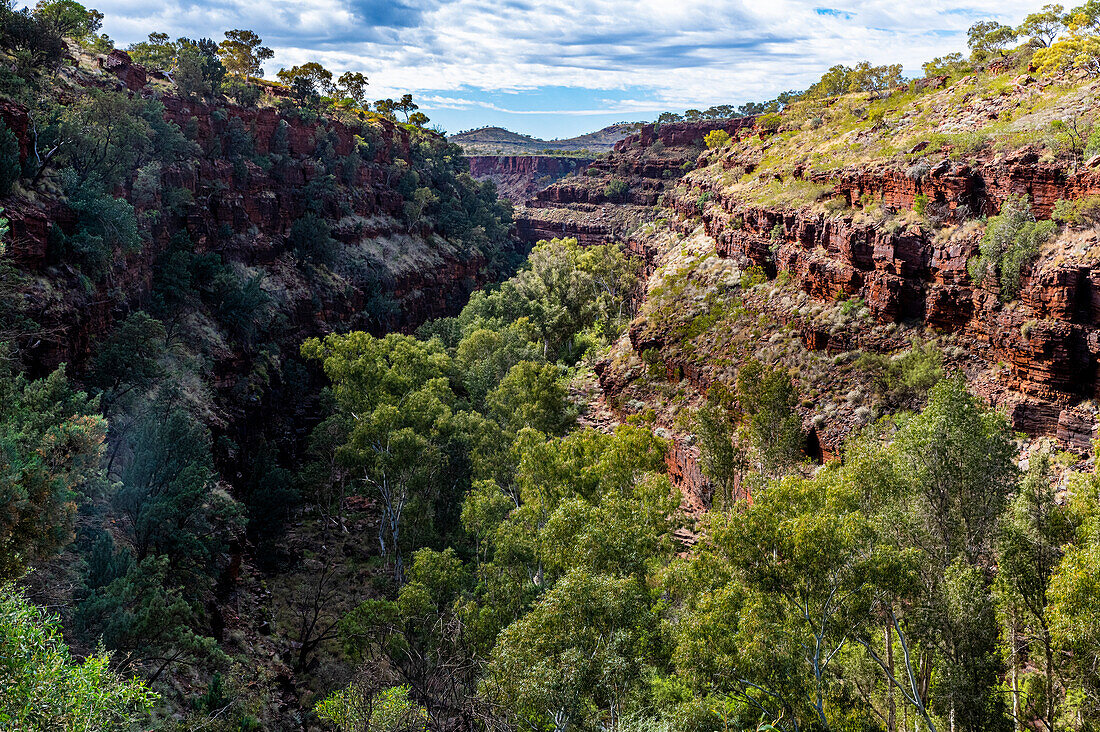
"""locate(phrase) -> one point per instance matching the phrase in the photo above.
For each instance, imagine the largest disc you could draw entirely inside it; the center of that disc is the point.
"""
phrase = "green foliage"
(105, 226)
(355, 709)
(987, 37)
(310, 238)
(768, 399)
(243, 53)
(129, 358)
(10, 168)
(947, 65)
(769, 122)
(51, 437)
(721, 457)
(1011, 241)
(616, 190)
(69, 18)
(716, 138)
(1029, 549)
(1044, 26)
(945, 480)
(169, 500)
(920, 203)
(42, 687)
(752, 277)
(532, 396)
(902, 381)
(198, 71)
(1082, 211)
(863, 77)
(34, 42)
(157, 53)
(575, 654)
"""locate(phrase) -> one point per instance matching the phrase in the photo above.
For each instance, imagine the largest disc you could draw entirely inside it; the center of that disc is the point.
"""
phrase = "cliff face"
(244, 212)
(856, 241)
(617, 193)
(1049, 339)
(519, 177)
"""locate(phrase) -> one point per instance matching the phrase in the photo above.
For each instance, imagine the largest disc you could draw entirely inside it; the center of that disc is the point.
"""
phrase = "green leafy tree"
(1044, 27)
(1073, 606)
(43, 688)
(308, 81)
(532, 395)
(353, 85)
(129, 360)
(51, 437)
(69, 18)
(360, 708)
(1029, 548)
(198, 70)
(243, 53)
(944, 482)
(157, 52)
(399, 390)
(774, 430)
(946, 65)
(721, 457)
(796, 579)
(988, 37)
(1011, 242)
(716, 139)
(575, 659)
(10, 167)
(36, 44)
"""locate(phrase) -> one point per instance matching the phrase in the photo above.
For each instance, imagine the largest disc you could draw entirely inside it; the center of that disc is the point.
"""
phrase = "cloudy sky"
(563, 67)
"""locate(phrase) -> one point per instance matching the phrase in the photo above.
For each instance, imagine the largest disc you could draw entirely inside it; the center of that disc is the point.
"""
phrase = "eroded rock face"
(980, 187)
(1049, 339)
(244, 212)
(612, 195)
(519, 177)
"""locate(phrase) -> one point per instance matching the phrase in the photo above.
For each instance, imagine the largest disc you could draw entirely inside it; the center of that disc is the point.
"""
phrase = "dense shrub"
(770, 122)
(616, 189)
(1012, 240)
(716, 138)
(9, 160)
(1077, 211)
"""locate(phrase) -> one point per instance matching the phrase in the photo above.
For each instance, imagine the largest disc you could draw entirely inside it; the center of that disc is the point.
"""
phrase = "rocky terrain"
(499, 141)
(847, 267)
(622, 190)
(519, 177)
(245, 212)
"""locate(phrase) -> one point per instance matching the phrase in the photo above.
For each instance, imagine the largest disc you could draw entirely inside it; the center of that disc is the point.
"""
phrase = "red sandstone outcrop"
(519, 177)
(243, 212)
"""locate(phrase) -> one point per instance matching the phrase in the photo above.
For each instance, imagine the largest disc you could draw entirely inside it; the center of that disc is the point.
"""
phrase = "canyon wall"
(519, 177)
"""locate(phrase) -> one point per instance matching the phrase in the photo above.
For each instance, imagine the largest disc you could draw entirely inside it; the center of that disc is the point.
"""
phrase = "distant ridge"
(499, 141)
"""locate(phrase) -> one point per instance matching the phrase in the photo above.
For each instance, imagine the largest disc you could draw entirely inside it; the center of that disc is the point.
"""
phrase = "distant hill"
(499, 141)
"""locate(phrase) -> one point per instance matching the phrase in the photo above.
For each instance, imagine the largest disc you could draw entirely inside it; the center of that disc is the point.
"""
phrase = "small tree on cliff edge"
(243, 54)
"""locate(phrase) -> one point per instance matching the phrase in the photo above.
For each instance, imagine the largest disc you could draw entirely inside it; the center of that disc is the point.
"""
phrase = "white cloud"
(682, 52)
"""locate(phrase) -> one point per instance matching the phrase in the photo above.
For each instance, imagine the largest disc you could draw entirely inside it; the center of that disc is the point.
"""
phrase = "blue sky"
(561, 68)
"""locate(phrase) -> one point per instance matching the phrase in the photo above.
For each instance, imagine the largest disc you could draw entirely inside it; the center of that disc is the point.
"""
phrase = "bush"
(702, 201)
(245, 94)
(45, 688)
(1012, 240)
(920, 203)
(716, 138)
(752, 277)
(769, 122)
(616, 190)
(9, 160)
(1077, 212)
(903, 381)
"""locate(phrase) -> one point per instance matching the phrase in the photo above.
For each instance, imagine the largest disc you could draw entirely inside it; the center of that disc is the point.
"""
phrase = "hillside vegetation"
(294, 437)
